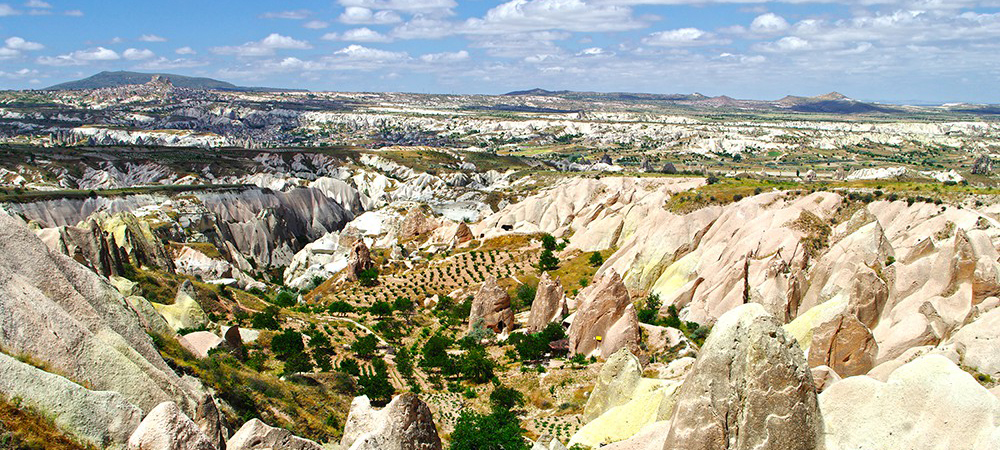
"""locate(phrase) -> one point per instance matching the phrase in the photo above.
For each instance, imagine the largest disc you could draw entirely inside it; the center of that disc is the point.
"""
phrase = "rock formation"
(491, 305)
(749, 389)
(614, 386)
(404, 424)
(605, 320)
(359, 260)
(416, 223)
(549, 304)
(983, 165)
(547, 442)
(845, 345)
(185, 312)
(257, 435)
(103, 419)
(167, 428)
(925, 404)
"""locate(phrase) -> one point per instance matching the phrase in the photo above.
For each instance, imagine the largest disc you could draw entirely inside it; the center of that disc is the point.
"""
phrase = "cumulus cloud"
(80, 57)
(162, 63)
(7, 10)
(19, 74)
(682, 37)
(358, 15)
(17, 43)
(152, 38)
(73, 13)
(568, 15)
(359, 52)
(768, 23)
(445, 57)
(185, 51)
(263, 47)
(405, 6)
(424, 28)
(135, 54)
(37, 4)
(363, 34)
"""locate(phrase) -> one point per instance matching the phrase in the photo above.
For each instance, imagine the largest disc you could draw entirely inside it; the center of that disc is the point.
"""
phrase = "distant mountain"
(832, 103)
(608, 96)
(121, 78)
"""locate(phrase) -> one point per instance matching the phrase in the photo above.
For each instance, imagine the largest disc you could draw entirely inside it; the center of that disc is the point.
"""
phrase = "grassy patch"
(24, 429)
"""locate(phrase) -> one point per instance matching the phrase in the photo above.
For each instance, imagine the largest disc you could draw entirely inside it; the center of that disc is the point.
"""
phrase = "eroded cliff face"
(260, 226)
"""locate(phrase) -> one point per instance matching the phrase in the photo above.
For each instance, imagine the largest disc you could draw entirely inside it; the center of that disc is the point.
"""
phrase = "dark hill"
(122, 78)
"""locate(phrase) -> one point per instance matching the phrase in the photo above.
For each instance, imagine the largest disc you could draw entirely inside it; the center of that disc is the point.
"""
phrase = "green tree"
(506, 399)
(402, 304)
(524, 296)
(547, 261)
(476, 366)
(435, 352)
(548, 242)
(298, 362)
(596, 259)
(350, 367)
(285, 299)
(495, 431)
(340, 307)
(365, 345)
(286, 344)
(376, 386)
(368, 277)
(380, 309)
(404, 362)
(650, 310)
(266, 319)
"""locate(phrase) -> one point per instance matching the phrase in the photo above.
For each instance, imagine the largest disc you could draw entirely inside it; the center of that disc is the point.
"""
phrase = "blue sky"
(884, 50)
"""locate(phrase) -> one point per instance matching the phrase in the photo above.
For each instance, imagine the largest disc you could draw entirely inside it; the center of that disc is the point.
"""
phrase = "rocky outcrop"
(845, 345)
(623, 402)
(359, 260)
(185, 312)
(983, 165)
(605, 320)
(103, 419)
(209, 418)
(549, 304)
(416, 223)
(404, 424)
(547, 442)
(167, 428)
(462, 234)
(491, 306)
(749, 389)
(928, 403)
(200, 343)
(72, 320)
(257, 435)
(106, 243)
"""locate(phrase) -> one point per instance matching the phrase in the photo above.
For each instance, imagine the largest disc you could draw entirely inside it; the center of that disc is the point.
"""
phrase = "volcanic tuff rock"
(928, 403)
(404, 424)
(491, 305)
(416, 223)
(618, 379)
(99, 418)
(167, 428)
(749, 389)
(547, 442)
(185, 312)
(359, 260)
(605, 320)
(845, 345)
(256, 435)
(549, 304)
(72, 320)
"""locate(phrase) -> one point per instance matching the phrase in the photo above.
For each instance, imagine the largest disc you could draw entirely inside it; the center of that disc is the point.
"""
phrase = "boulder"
(651, 437)
(209, 418)
(824, 376)
(200, 343)
(749, 389)
(491, 305)
(359, 260)
(167, 428)
(257, 435)
(547, 442)
(605, 320)
(150, 319)
(977, 343)
(185, 312)
(549, 304)
(463, 234)
(102, 419)
(928, 403)
(845, 345)
(405, 423)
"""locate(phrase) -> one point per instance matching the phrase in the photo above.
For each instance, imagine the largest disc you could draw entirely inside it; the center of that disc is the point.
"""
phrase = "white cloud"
(185, 51)
(316, 24)
(768, 23)
(18, 74)
(37, 4)
(7, 10)
(424, 28)
(80, 57)
(358, 35)
(445, 57)
(8, 53)
(17, 43)
(358, 15)
(359, 52)
(521, 45)
(786, 44)
(263, 47)
(682, 37)
(74, 13)
(537, 15)
(134, 54)
(152, 38)
(406, 6)
(297, 14)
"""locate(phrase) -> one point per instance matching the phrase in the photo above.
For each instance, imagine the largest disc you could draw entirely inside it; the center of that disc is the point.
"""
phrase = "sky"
(901, 51)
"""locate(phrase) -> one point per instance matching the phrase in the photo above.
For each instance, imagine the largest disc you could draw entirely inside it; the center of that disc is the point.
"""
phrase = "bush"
(506, 399)
(368, 277)
(287, 344)
(596, 259)
(365, 345)
(524, 296)
(266, 319)
(712, 179)
(498, 430)
(285, 299)
(548, 242)
(340, 307)
(380, 309)
(547, 261)
(435, 352)
(476, 366)
(298, 362)
(350, 367)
